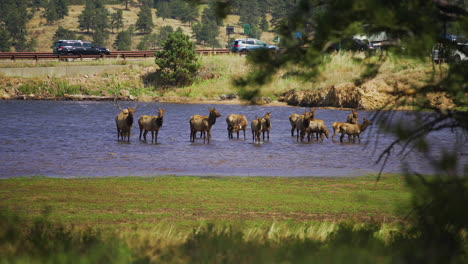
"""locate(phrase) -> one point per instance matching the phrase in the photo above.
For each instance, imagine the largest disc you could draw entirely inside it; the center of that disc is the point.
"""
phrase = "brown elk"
(203, 124)
(354, 130)
(124, 122)
(318, 127)
(266, 125)
(236, 123)
(151, 123)
(302, 123)
(256, 127)
(293, 119)
(351, 119)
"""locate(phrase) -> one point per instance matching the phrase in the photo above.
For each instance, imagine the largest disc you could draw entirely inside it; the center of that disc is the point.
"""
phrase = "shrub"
(177, 61)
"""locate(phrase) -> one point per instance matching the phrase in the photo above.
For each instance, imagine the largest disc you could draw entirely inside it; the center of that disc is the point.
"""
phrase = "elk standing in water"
(256, 127)
(151, 123)
(203, 124)
(351, 119)
(266, 125)
(124, 122)
(293, 119)
(236, 123)
(302, 123)
(354, 130)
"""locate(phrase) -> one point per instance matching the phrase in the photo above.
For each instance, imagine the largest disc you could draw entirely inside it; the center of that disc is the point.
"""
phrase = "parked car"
(450, 48)
(78, 47)
(349, 44)
(248, 44)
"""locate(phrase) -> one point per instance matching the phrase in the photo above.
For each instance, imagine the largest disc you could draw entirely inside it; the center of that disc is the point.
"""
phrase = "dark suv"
(78, 47)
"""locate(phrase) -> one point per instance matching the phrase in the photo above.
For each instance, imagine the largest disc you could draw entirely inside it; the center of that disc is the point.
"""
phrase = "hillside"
(43, 33)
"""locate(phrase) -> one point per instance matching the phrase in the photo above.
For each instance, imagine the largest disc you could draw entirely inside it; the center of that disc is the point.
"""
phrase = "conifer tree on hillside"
(61, 8)
(5, 40)
(145, 20)
(95, 17)
(50, 12)
(13, 18)
(123, 40)
(117, 20)
(163, 10)
(63, 33)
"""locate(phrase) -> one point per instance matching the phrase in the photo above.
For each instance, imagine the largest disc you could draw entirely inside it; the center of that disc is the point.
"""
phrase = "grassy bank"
(213, 220)
(189, 201)
(214, 79)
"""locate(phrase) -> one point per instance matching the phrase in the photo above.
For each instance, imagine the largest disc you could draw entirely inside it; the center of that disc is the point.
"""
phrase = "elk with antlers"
(124, 122)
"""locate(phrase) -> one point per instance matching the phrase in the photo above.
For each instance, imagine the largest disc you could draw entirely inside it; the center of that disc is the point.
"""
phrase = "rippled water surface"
(67, 139)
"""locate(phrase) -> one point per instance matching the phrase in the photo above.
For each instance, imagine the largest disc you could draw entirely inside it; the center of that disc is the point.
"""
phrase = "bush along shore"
(336, 86)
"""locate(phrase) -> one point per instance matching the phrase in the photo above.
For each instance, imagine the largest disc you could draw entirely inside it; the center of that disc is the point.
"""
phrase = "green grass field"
(190, 201)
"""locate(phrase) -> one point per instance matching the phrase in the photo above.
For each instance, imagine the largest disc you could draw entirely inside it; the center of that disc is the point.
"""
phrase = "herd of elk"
(303, 124)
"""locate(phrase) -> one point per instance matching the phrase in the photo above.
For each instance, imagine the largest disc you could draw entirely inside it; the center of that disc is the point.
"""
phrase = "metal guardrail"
(114, 54)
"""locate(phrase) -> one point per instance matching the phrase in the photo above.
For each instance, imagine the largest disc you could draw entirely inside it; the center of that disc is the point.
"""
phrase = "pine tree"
(5, 40)
(123, 41)
(63, 33)
(86, 18)
(163, 10)
(117, 20)
(177, 61)
(14, 16)
(100, 37)
(61, 8)
(145, 20)
(50, 12)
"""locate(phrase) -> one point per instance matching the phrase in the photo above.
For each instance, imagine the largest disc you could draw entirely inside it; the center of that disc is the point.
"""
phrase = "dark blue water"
(68, 139)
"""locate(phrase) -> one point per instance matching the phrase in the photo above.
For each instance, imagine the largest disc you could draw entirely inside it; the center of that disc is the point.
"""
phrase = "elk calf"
(151, 123)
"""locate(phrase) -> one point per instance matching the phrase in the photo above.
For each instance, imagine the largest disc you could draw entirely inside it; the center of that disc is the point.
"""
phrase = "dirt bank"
(390, 91)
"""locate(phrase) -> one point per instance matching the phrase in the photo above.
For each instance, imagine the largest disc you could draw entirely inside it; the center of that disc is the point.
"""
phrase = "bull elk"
(151, 123)
(124, 122)
(203, 124)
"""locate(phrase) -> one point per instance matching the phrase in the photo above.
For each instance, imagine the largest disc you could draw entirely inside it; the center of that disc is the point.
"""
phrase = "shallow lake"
(68, 139)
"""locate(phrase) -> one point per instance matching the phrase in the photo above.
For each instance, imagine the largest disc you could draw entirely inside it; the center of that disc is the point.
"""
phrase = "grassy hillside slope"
(43, 33)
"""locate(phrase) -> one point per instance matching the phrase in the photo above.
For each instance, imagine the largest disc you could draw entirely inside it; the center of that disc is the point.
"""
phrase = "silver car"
(248, 44)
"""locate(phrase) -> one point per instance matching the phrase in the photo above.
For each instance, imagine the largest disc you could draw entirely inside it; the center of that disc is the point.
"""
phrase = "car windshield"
(87, 44)
(260, 43)
(76, 44)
